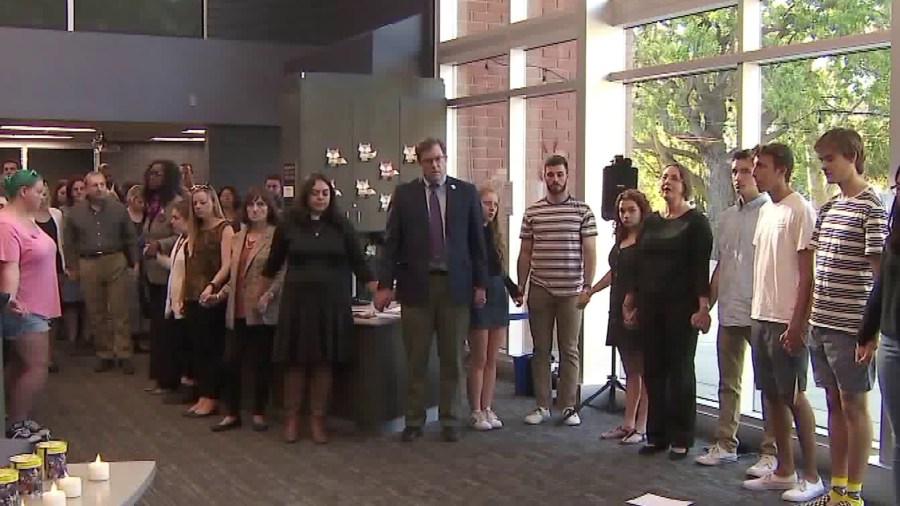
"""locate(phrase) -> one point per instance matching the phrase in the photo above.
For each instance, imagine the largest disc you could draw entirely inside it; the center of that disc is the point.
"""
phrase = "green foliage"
(692, 119)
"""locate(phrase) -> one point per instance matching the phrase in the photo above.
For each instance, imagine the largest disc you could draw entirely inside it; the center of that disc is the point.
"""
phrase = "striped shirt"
(848, 230)
(557, 231)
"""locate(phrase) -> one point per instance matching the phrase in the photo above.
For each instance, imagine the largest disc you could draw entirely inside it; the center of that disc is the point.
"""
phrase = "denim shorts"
(13, 325)
(777, 373)
(833, 355)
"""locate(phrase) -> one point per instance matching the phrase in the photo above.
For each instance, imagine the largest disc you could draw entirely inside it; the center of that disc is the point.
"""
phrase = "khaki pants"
(544, 311)
(103, 280)
(450, 323)
(732, 344)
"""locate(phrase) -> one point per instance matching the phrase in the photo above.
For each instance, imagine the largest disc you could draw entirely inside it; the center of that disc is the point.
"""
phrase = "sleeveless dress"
(621, 265)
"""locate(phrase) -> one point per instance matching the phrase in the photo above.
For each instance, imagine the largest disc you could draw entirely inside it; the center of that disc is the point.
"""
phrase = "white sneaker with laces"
(571, 418)
(538, 416)
(479, 421)
(493, 419)
(764, 466)
(716, 455)
(805, 491)
(772, 482)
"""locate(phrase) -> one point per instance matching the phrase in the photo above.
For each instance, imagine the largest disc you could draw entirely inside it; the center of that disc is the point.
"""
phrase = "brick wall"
(540, 7)
(550, 129)
(480, 15)
(482, 152)
(483, 76)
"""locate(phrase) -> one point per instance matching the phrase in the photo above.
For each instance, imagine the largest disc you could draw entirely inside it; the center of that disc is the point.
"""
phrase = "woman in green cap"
(28, 274)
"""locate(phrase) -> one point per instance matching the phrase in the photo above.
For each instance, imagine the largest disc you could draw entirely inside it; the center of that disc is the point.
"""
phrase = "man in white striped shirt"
(559, 253)
(848, 241)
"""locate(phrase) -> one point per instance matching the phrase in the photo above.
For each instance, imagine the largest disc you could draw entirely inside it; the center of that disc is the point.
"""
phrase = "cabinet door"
(423, 114)
(326, 124)
(376, 121)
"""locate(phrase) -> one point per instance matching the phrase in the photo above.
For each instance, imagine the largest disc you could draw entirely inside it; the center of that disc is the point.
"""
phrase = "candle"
(98, 470)
(54, 497)
(71, 485)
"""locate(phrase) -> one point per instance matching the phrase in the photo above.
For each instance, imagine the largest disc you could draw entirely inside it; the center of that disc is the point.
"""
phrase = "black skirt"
(495, 312)
(315, 325)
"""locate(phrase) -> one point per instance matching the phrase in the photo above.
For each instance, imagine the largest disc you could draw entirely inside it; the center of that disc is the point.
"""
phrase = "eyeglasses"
(431, 161)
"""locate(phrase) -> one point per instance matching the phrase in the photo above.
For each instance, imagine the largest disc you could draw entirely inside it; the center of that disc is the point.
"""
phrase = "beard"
(556, 189)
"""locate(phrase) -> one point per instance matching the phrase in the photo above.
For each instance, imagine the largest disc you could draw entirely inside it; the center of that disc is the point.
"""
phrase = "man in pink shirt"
(28, 275)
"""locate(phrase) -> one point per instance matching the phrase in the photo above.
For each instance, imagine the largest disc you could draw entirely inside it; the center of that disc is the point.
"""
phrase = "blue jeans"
(889, 380)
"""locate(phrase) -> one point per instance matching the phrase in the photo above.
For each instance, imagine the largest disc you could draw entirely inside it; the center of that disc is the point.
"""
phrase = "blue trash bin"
(523, 377)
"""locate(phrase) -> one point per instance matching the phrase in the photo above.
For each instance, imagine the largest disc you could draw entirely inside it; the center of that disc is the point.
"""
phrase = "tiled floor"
(110, 414)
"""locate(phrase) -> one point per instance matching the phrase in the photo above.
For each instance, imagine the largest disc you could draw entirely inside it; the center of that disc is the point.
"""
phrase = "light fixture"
(178, 139)
(36, 137)
(34, 128)
(194, 131)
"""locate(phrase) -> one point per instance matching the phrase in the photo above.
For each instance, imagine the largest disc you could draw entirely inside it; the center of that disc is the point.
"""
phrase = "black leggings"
(206, 330)
(248, 344)
(670, 343)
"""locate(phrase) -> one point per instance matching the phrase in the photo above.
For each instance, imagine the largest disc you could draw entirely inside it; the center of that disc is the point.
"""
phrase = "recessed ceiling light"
(34, 128)
(178, 139)
(194, 131)
(36, 137)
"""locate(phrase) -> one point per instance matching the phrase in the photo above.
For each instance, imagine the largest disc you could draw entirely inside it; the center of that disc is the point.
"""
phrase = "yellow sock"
(854, 494)
(838, 488)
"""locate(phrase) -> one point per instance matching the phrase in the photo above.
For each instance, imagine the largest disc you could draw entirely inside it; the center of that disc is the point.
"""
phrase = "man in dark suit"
(434, 249)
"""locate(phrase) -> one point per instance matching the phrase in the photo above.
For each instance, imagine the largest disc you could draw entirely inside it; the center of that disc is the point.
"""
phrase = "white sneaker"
(772, 482)
(805, 491)
(493, 419)
(571, 418)
(716, 455)
(764, 466)
(538, 416)
(479, 421)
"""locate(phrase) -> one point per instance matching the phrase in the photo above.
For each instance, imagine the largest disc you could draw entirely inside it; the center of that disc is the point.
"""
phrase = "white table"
(127, 483)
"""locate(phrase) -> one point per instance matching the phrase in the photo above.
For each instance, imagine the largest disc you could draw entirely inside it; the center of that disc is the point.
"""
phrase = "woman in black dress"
(632, 207)
(669, 301)
(315, 324)
(489, 321)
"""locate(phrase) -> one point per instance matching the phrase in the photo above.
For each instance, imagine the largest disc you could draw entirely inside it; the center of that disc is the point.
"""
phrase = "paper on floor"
(655, 500)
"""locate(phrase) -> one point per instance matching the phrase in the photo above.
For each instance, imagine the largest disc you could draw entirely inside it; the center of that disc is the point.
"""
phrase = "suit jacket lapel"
(450, 190)
(237, 246)
(266, 238)
(419, 191)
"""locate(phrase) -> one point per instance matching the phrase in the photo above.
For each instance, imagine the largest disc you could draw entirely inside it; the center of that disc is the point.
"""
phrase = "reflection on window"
(483, 76)
(45, 14)
(481, 15)
(680, 39)
(550, 130)
(551, 64)
(538, 8)
(802, 99)
(179, 18)
(691, 120)
(794, 21)
(482, 153)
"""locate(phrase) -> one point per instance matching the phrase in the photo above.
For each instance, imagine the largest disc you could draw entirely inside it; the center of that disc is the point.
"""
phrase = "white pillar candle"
(71, 485)
(54, 497)
(98, 470)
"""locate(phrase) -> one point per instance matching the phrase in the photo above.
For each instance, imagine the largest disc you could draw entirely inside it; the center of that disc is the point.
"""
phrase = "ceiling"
(115, 132)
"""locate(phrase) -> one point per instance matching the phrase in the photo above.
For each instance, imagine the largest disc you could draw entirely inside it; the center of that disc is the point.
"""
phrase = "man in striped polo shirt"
(848, 241)
(559, 253)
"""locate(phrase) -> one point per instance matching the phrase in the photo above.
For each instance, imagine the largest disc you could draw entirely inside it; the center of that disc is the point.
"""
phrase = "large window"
(550, 130)
(481, 15)
(483, 76)
(551, 64)
(482, 152)
(804, 98)
(540, 7)
(793, 21)
(49, 14)
(181, 18)
(686, 38)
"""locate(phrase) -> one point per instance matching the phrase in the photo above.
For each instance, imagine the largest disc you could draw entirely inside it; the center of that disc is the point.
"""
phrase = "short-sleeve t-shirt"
(25, 243)
(848, 230)
(784, 229)
(557, 231)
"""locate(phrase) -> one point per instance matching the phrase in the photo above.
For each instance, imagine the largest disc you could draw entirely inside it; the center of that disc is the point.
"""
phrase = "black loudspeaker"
(618, 176)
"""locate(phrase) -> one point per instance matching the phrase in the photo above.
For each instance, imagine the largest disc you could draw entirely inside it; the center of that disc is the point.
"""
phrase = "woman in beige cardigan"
(251, 315)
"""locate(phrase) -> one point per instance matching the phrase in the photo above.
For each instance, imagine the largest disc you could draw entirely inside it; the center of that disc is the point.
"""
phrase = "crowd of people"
(230, 284)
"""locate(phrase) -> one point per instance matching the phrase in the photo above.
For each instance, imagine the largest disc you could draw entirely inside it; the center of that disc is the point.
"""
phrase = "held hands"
(792, 340)
(701, 320)
(383, 298)
(583, 298)
(72, 274)
(479, 297)
(629, 312)
(263, 305)
(519, 299)
(208, 298)
(866, 352)
(151, 249)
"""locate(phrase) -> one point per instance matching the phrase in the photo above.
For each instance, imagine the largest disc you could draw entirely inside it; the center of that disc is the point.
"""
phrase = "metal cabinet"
(322, 112)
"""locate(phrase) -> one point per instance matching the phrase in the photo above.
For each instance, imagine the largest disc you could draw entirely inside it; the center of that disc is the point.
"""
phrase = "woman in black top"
(315, 323)
(488, 322)
(632, 207)
(883, 312)
(669, 300)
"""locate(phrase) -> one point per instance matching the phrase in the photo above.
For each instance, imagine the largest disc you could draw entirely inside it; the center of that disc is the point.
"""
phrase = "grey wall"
(295, 21)
(242, 156)
(112, 77)
(56, 164)
(129, 163)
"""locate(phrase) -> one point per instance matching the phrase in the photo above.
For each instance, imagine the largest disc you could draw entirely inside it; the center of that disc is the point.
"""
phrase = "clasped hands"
(384, 296)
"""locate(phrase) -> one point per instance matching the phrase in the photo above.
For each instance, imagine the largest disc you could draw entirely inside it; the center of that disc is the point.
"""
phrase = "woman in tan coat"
(251, 315)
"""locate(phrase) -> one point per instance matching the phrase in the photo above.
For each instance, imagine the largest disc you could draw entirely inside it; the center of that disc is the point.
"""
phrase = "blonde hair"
(133, 192)
(194, 225)
(499, 243)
